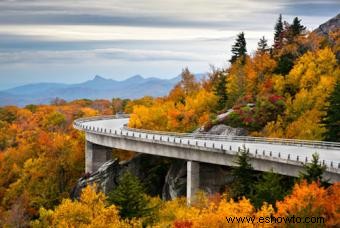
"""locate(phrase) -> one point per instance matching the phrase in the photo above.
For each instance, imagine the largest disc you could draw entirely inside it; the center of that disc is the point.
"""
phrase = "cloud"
(218, 14)
(150, 36)
(79, 56)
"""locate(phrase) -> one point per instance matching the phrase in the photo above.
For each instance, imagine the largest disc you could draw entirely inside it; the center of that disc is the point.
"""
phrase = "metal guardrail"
(212, 137)
(180, 137)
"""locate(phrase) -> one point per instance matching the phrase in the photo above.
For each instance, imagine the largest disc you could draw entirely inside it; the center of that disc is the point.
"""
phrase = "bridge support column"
(193, 179)
(95, 156)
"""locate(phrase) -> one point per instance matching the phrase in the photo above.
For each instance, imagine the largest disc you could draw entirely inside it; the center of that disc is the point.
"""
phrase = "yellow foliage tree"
(171, 115)
(309, 83)
(89, 211)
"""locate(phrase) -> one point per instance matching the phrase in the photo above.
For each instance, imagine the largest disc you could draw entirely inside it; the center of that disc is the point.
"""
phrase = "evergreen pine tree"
(269, 189)
(220, 90)
(239, 49)
(244, 176)
(130, 197)
(313, 171)
(297, 28)
(332, 119)
(285, 63)
(278, 34)
(262, 45)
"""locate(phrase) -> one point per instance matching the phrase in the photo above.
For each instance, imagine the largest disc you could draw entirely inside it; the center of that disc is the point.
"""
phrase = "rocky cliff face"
(151, 170)
(329, 26)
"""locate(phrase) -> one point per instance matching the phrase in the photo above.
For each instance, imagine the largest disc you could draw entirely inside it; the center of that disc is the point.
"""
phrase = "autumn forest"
(290, 89)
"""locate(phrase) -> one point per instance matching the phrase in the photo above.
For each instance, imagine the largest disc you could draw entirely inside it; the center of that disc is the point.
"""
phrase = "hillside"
(290, 90)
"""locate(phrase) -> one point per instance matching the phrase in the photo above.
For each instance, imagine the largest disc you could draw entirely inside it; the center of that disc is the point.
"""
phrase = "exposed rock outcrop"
(222, 129)
(329, 26)
(151, 170)
(175, 180)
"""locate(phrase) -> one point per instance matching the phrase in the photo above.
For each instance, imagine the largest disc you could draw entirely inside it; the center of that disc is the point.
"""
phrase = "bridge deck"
(285, 156)
(328, 155)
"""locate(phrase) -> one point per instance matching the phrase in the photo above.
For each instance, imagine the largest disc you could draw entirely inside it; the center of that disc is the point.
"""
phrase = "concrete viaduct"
(283, 156)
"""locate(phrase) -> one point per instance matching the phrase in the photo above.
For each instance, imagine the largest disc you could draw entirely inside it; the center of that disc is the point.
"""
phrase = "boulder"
(151, 170)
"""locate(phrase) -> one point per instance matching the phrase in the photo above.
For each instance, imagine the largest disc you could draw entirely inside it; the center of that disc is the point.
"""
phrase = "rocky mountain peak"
(329, 26)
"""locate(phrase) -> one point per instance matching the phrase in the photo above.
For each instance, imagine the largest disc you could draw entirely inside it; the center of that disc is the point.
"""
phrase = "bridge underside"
(99, 150)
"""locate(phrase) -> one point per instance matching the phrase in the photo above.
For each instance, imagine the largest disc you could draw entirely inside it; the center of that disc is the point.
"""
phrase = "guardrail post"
(338, 165)
(263, 152)
(297, 158)
(153, 137)
(331, 164)
(133, 134)
(306, 160)
(196, 143)
(168, 139)
(160, 138)
(110, 131)
(205, 144)
(221, 146)
(279, 155)
(288, 156)
(256, 152)
(180, 141)
(238, 149)
(230, 148)
(188, 142)
(213, 145)
(139, 135)
(323, 162)
(270, 153)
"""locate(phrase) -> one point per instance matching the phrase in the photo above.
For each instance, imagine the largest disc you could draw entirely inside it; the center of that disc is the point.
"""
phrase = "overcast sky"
(72, 41)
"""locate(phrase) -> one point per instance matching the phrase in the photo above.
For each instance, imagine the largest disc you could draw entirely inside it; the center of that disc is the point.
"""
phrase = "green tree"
(130, 197)
(313, 171)
(262, 46)
(297, 28)
(269, 189)
(332, 119)
(220, 89)
(243, 175)
(278, 34)
(239, 49)
(285, 63)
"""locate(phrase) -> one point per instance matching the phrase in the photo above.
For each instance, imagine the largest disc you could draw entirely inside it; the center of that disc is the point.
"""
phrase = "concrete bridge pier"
(95, 156)
(193, 179)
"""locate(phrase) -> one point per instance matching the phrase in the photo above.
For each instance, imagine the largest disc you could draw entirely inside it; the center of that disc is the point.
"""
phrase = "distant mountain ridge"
(96, 88)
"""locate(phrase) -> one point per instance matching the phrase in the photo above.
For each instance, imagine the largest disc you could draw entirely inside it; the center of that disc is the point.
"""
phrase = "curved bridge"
(284, 156)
